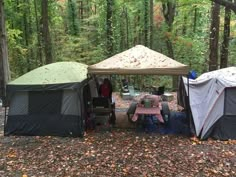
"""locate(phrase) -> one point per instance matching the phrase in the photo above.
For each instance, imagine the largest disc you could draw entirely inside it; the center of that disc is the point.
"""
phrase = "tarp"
(54, 76)
(55, 73)
(139, 60)
(207, 97)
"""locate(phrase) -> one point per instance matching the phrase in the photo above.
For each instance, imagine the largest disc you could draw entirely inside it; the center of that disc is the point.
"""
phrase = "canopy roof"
(55, 73)
(139, 60)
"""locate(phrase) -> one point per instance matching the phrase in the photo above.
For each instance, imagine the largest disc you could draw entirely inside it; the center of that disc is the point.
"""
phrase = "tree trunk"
(214, 37)
(151, 24)
(226, 3)
(39, 47)
(45, 33)
(136, 30)
(195, 20)
(4, 65)
(109, 27)
(127, 27)
(81, 10)
(184, 29)
(73, 27)
(169, 14)
(225, 43)
(146, 23)
(27, 33)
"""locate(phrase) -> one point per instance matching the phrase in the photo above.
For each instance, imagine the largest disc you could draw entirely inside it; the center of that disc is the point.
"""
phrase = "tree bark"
(109, 29)
(169, 14)
(39, 47)
(184, 29)
(73, 27)
(195, 20)
(4, 65)
(46, 34)
(151, 24)
(27, 33)
(146, 23)
(81, 10)
(127, 27)
(226, 3)
(214, 37)
(225, 43)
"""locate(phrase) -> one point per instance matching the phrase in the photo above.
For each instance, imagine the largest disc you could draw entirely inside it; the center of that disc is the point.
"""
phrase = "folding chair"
(160, 91)
(102, 111)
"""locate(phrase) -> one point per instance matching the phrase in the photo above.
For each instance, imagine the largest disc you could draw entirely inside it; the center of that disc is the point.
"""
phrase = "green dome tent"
(48, 100)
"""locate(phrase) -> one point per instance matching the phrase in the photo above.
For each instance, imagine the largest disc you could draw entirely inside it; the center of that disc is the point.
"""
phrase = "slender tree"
(146, 22)
(109, 30)
(151, 24)
(4, 65)
(39, 36)
(122, 30)
(214, 37)
(225, 43)
(226, 3)
(127, 27)
(46, 33)
(168, 9)
(195, 19)
(137, 30)
(27, 31)
(72, 18)
(184, 28)
(169, 14)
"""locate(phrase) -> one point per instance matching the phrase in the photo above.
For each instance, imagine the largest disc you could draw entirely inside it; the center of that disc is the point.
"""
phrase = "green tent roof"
(55, 73)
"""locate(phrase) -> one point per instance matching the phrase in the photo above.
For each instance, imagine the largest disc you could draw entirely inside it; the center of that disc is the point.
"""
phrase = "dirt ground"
(121, 152)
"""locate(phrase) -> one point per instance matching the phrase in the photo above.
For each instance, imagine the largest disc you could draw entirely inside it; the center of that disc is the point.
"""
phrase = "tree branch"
(228, 4)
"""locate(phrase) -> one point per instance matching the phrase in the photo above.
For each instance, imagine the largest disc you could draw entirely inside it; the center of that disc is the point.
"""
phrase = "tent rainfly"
(48, 101)
(212, 99)
(139, 60)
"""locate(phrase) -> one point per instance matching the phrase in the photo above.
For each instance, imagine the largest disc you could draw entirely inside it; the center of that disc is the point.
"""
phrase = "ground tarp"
(139, 60)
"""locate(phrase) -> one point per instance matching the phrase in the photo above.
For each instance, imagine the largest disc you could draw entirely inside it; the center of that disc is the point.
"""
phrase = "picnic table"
(147, 111)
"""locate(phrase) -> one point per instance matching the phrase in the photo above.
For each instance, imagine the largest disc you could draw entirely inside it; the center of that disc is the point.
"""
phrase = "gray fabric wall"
(19, 103)
(71, 103)
(230, 101)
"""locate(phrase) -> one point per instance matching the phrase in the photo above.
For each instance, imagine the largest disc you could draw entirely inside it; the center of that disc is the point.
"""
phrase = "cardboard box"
(167, 97)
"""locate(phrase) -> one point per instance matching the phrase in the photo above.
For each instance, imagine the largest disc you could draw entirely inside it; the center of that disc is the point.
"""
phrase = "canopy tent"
(212, 99)
(48, 100)
(139, 60)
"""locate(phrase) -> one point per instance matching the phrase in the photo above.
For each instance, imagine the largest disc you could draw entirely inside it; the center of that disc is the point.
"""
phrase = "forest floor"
(121, 152)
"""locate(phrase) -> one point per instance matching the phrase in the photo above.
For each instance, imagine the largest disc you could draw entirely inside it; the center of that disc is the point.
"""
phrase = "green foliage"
(73, 24)
(83, 39)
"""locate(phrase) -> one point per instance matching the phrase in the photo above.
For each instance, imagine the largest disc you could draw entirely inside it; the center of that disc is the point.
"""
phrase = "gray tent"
(213, 103)
(48, 101)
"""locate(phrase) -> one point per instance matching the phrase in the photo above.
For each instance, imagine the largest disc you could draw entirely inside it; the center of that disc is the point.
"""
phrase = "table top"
(143, 110)
(148, 111)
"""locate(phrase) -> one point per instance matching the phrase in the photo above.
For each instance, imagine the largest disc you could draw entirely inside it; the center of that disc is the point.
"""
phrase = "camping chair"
(160, 91)
(101, 110)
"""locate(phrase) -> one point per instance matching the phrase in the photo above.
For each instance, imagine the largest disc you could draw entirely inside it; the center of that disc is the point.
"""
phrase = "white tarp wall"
(206, 95)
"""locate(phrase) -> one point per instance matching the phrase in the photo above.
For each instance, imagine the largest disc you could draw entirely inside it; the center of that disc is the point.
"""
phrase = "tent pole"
(188, 106)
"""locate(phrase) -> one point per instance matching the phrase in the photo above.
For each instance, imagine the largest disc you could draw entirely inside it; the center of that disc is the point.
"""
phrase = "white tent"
(212, 98)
